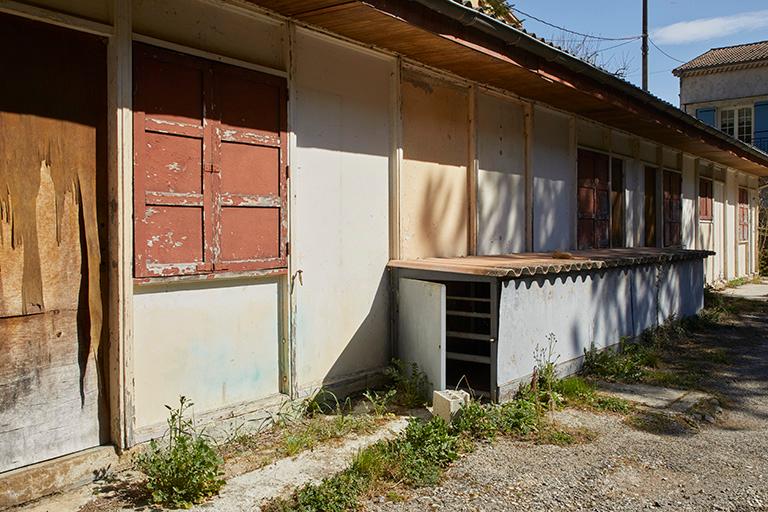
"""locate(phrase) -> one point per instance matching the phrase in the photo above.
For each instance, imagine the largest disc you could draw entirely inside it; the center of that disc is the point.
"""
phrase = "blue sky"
(682, 28)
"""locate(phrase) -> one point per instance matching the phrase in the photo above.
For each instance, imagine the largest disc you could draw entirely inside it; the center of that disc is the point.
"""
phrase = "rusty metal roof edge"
(519, 37)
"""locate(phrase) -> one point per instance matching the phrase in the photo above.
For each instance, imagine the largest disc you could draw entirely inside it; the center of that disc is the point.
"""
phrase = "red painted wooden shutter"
(593, 229)
(210, 166)
(249, 161)
(169, 185)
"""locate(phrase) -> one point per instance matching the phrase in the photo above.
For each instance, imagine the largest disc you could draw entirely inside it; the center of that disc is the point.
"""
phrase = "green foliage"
(380, 402)
(338, 493)
(410, 383)
(517, 418)
(477, 421)
(579, 392)
(628, 363)
(183, 470)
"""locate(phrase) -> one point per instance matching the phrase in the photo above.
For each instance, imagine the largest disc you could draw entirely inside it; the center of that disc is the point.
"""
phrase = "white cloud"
(703, 29)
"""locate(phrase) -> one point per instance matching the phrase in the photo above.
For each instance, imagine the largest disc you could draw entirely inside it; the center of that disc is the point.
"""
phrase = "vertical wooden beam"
(120, 183)
(395, 160)
(659, 196)
(528, 132)
(291, 386)
(472, 171)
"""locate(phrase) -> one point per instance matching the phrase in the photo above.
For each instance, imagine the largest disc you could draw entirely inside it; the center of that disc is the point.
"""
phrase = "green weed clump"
(183, 469)
(581, 393)
(410, 383)
(627, 364)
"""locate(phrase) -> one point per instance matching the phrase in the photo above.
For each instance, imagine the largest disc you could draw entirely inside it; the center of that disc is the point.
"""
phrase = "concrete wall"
(214, 342)
(554, 181)
(742, 83)
(592, 308)
(500, 176)
(340, 205)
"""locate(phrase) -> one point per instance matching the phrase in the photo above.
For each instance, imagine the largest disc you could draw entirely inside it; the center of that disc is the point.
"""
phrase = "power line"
(590, 36)
(665, 53)
(615, 46)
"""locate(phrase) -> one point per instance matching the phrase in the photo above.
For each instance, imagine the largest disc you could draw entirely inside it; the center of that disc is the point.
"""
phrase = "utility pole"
(645, 45)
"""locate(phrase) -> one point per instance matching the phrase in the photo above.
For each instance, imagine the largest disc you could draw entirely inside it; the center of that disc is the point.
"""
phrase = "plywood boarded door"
(52, 218)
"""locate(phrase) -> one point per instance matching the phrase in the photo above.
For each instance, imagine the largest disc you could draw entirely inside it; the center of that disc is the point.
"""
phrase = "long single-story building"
(242, 201)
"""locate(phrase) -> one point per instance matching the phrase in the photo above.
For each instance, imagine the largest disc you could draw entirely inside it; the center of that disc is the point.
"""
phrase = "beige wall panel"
(647, 152)
(689, 203)
(340, 209)
(210, 28)
(707, 242)
(95, 10)
(634, 182)
(216, 343)
(593, 135)
(434, 199)
(670, 159)
(501, 176)
(622, 144)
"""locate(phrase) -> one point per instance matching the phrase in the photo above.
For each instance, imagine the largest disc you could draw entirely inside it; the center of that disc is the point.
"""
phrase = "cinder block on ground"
(448, 402)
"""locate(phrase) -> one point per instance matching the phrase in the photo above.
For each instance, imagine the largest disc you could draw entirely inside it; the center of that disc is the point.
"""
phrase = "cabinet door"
(421, 328)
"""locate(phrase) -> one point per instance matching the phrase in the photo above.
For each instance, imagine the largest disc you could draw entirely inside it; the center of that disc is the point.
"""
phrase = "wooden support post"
(121, 228)
(528, 131)
(472, 170)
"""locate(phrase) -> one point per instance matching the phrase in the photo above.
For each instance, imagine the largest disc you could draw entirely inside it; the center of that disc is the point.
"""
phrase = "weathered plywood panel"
(500, 176)
(623, 144)
(421, 328)
(670, 158)
(434, 185)
(554, 177)
(213, 28)
(340, 209)
(52, 203)
(217, 343)
(634, 182)
(96, 10)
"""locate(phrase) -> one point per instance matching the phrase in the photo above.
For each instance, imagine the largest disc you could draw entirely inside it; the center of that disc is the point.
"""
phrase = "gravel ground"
(721, 466)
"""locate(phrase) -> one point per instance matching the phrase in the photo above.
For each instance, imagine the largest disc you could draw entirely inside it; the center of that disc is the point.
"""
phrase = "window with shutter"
(673, 208)
(209, 173)
(743, 215)
(706, 115)
(705, 199)
(593, 229)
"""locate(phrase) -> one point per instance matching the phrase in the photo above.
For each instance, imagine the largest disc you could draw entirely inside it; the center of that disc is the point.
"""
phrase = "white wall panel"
(339, 210)
(214, 342)
(501, 176)
(554, 177)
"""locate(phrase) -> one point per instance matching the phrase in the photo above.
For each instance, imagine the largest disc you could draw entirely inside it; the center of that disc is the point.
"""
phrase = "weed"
(184, 470)
(410, 383)
(476, 421)
(625, 364)
(581, 393)
(380, 402)
(565, 436)
(660, 423)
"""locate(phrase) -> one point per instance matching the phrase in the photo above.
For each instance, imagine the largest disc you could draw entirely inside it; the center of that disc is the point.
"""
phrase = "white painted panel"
(718, 220)
(634, 181)
(421, 328)
(554, 193)
(500, 177)
(730, 235)
(688, 224)
(670, 159)
(681, 286)
(339, 209)
(622, 144)
(216, 343)
(216, 29)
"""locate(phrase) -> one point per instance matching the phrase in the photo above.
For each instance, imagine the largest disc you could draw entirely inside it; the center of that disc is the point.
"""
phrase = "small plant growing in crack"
(183, 468)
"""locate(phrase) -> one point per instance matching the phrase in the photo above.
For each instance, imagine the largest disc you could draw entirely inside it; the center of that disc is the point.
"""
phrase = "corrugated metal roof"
(726, 56)
(543, 263)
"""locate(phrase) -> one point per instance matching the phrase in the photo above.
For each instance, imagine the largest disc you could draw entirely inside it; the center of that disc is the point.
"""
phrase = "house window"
(705, 199)
(743, 215)
(673, 208)
(210, 166)
(737, 122)
(617, 202)
(593, 230)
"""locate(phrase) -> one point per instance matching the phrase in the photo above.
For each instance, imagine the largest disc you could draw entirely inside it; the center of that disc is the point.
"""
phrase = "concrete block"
(447, 403)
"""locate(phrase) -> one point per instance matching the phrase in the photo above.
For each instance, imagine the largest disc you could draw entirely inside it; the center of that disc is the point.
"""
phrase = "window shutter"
(169, 188)
(761, 125)
(249, 163)
(706, 115)
(593, 229)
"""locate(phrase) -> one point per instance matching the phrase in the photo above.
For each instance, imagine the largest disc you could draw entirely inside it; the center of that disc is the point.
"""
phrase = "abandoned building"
(242, 201)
